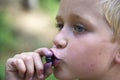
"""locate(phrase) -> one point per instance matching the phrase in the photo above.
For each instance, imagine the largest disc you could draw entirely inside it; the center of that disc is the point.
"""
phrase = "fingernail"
(30, 78)
(40, 72)
(41, 76)
(49, 53)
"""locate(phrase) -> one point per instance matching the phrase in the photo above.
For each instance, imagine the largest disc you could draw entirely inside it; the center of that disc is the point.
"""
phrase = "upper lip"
(56, 57)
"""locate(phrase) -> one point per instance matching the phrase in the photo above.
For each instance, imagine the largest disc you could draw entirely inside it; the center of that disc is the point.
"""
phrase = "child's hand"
(28, 66)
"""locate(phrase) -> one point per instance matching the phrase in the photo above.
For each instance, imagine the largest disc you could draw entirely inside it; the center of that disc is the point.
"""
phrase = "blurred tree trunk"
(29, 4)
(2, 4)
(22, 4)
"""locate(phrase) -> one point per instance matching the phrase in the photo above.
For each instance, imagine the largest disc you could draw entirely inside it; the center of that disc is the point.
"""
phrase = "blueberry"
(49, 59)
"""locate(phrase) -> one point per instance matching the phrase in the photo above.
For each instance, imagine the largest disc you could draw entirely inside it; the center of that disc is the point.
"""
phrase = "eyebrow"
(75, 17)
(85, 19)
(72, 15)
(58, 17)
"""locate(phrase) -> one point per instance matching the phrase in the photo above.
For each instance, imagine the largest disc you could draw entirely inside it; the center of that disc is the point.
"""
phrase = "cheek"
(89, 59)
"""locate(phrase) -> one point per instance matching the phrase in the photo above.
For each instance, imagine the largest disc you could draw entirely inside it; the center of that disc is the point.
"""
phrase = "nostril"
(61, 44)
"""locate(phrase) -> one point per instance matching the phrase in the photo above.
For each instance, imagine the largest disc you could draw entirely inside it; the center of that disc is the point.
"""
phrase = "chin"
(62, 75)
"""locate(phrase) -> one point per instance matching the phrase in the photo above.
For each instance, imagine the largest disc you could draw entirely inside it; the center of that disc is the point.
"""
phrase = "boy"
(87, 45)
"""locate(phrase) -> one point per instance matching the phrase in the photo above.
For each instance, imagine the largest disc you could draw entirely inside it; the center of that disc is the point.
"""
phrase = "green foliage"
(50, 5)
(2, 71)
(51, 77)
(7, 39)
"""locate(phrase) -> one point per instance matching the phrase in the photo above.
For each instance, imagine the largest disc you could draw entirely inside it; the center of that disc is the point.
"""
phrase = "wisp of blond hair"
(111, 10)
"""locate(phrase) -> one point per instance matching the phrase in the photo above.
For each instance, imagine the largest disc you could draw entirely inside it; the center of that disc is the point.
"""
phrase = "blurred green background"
(25, 25)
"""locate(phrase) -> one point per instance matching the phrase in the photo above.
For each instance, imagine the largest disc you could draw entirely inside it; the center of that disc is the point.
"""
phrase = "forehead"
(87, 12)
(67, 6)
(79, 2)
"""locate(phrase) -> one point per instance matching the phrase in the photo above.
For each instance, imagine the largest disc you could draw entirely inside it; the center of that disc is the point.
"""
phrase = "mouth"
(55, 61)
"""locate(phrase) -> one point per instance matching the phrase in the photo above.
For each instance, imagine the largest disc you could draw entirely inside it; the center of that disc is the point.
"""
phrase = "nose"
(60, 41)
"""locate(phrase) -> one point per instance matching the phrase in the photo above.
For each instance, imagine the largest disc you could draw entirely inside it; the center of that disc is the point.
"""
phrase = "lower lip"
(56, 62)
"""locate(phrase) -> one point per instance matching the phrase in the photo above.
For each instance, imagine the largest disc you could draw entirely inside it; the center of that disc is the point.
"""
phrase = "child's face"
(84, 41)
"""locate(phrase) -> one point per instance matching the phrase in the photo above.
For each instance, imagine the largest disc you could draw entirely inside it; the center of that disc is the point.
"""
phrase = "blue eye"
(59, 26)
(79, 28)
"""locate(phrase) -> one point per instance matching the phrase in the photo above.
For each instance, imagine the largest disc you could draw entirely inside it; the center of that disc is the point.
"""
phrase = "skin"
(83, 45)
(88, 54)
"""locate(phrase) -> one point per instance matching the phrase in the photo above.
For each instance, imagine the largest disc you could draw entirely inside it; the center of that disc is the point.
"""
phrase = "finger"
(16, 65)
(38, 65)
(17, 56)
(20, 67)
(44, 52)
(47, 69)
(11, 70)
(10, 67)
(15, 69)
(29, 67)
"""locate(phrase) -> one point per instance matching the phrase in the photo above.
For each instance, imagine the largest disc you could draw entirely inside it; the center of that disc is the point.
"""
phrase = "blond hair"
(111, 10)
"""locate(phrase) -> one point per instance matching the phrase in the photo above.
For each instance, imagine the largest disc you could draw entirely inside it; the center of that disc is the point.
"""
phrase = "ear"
(117, 52)
(117, 57)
